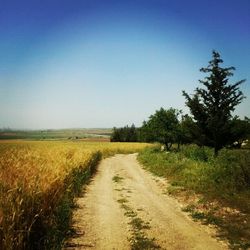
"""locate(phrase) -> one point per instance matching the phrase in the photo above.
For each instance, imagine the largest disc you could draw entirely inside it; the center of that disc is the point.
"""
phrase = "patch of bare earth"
(124, 207)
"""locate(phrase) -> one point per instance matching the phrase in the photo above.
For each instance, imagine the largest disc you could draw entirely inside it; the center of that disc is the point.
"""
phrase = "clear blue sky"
(89, 63)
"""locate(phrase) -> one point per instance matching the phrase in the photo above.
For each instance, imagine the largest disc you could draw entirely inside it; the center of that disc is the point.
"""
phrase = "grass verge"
(216, 190)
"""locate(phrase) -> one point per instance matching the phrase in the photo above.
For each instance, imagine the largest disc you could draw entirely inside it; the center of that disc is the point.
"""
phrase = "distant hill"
(56, 134)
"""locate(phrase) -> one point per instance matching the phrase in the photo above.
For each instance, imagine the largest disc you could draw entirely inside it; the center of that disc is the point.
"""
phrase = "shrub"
(197, 153)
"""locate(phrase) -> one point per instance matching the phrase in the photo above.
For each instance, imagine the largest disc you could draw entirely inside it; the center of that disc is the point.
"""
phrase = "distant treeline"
(170, 126)
(211, 122)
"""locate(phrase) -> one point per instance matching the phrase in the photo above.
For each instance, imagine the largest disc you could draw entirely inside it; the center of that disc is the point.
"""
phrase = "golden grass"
(35, 175)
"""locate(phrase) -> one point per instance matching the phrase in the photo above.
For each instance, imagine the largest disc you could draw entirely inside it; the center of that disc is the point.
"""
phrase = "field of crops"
(38, 181)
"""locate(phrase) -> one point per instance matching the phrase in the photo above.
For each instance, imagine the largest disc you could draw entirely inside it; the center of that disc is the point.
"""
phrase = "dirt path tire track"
(101, 223)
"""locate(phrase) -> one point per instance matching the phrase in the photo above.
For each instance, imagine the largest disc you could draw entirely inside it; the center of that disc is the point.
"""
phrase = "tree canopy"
(125, 134)
(212, 105)
(162, 126)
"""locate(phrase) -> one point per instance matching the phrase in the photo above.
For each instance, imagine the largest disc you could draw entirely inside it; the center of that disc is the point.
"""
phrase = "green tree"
(145, 133)
(187, 130)
(212, 105)
(125, 134)
(162, 127)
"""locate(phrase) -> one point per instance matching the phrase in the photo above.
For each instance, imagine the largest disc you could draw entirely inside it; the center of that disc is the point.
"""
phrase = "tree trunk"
(168, 145)
(216, 150)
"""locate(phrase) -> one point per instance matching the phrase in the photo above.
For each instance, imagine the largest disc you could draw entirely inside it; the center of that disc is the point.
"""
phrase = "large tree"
(187, 130)
(212, 105)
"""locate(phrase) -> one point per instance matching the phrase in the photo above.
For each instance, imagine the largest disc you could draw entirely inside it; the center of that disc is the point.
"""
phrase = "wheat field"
(38, 180)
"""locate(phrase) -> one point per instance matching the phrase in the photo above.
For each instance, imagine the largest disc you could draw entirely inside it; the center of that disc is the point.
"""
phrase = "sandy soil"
(122, 191)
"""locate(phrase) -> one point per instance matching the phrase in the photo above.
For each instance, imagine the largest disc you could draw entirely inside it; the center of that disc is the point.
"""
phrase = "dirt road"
(124, 207)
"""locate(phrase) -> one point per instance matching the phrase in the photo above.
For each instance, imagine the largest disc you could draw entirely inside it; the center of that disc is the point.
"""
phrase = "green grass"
(117, 179)
(195, 168)
(139, 224)
(224, 181)
(138, 239)
(129, 212)
(122, 200)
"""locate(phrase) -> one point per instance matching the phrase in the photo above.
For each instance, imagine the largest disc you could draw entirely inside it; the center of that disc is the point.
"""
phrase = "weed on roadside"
(139, 224)
(138, 240)
(117, 179)
(122, 200)
(130, 213)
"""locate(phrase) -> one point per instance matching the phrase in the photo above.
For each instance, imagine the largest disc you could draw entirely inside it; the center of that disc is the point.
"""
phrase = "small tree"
(211, 106)
(162, 127)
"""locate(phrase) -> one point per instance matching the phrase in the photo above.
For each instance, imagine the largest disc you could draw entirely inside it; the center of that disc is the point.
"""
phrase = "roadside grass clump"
(162, 163)
(138, 239)
(122, 200)
(139, 224)
(205, 217)
(38, 183)
(117, 179)
(223, 182)
(129, 212)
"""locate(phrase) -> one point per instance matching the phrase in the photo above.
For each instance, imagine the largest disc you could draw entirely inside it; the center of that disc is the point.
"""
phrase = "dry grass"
(34, 180)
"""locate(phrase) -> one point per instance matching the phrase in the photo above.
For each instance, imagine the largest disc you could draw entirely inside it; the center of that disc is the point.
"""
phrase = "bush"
(197, 153)
(232, 169)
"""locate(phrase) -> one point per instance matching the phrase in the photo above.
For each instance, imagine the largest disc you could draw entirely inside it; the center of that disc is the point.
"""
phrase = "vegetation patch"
(139, 224)
(138, 240)
(216, 190)
(117, 179)
(122, 200)
(129, 212)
